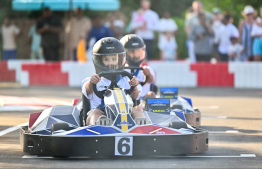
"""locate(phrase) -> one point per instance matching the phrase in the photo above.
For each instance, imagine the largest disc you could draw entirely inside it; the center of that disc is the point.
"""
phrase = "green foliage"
(181, 37)
(234, 7)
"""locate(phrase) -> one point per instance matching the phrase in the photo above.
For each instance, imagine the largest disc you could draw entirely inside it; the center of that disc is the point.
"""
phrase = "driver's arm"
(150, 77)
(93, 80)
(134, 82)
(134, 94)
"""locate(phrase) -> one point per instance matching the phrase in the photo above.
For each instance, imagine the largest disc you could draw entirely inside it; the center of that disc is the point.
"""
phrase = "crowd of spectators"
(210, 35)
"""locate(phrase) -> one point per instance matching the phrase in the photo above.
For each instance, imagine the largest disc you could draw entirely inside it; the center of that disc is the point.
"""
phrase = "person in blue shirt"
(98, 31)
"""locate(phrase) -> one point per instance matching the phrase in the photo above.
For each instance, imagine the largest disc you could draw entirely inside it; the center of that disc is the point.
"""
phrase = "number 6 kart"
(57, 130)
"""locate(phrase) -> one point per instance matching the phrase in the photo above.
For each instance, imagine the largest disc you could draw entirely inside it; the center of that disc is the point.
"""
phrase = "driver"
(108, 54)
(135, 49)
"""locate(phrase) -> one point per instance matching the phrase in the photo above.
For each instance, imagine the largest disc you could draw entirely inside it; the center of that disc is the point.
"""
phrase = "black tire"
(176, 107)
(59, 126)
(178, 125)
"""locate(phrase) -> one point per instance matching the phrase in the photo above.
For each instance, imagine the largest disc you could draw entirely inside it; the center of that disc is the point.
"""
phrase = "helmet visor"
(136, 55)
(110, 61)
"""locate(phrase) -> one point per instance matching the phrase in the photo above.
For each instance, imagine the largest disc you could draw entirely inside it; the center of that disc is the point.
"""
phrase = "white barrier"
(170, 74)
(77, 72)
(247, 75)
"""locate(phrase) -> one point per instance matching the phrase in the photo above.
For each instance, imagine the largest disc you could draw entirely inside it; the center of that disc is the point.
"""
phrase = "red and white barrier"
(179, 74)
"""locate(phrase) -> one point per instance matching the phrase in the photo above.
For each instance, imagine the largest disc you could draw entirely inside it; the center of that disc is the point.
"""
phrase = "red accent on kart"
(151, 129)
(213, 74)
(6, 74)
(75, 101)
(32, 118)
(46, 74)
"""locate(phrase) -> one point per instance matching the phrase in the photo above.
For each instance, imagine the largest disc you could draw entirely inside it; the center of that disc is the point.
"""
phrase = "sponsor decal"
(159, 105)
(160, 132)
(171, 93)
(124, 123)
(135, 44)
(110, 47)
(123, 112)
(103, 87)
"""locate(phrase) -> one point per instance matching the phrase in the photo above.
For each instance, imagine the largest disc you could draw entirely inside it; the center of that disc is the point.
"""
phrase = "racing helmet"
(108, 54)
(135, 49)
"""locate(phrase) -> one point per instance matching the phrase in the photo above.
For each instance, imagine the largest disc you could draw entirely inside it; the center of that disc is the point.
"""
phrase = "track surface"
(233, 117)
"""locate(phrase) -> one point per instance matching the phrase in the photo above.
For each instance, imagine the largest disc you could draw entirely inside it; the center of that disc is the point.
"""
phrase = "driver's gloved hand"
(133, 81)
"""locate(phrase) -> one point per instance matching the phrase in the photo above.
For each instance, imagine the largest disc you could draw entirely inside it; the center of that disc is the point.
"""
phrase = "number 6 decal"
(123, 146)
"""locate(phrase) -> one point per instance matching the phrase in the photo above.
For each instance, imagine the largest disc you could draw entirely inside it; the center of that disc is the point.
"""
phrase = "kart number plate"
(123, 146)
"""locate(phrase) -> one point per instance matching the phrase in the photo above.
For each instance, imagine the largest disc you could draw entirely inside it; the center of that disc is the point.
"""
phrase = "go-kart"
(179, 103)
(57, 131)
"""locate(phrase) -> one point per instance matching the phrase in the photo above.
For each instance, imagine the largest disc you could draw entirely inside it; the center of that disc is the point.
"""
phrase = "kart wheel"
(177, 125)
(176, 107)
(59, 126)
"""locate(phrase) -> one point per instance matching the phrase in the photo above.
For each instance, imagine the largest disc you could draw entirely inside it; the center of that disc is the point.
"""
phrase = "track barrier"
(179, 74)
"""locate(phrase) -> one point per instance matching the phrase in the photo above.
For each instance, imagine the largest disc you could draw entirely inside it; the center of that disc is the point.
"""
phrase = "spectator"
(191, 21)
(216, 26)
(9, 34)
(256, 33)
(167, 42)
(228, 30)
(35, 40)
(146, 30)
(97, 32)
(117, 25)
(201, 36)
(245, 28)
(49, 28)
(78, 27)
(235, 49)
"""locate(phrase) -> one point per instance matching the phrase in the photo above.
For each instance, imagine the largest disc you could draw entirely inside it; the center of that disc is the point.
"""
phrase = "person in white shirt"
(235, 49)
(167, 42)
(108, 54)
(76, 29)
(228, 30)
(115, 23)
(135, 49)
(146, 30)
(9, 34)
(256, 33)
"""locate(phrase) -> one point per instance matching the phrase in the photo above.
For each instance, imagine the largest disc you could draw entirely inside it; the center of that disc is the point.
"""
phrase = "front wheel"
(59, 126)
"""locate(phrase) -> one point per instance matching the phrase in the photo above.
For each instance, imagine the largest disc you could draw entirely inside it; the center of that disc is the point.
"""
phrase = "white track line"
(11, 129)
(213, 107)
(21, 108)
(226, 156)
(221, 132)
(214, 117)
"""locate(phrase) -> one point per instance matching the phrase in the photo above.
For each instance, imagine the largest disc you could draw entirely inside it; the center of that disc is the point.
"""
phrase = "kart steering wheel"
(113, 74)
(133, 68)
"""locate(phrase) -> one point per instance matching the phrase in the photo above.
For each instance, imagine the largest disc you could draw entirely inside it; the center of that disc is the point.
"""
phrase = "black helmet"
(135, 49)
(108, 54)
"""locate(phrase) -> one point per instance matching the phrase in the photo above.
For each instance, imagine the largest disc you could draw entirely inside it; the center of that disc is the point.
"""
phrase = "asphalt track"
(233, 117)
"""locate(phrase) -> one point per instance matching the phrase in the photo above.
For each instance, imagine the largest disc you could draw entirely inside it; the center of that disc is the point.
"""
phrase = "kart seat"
(85, 108)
